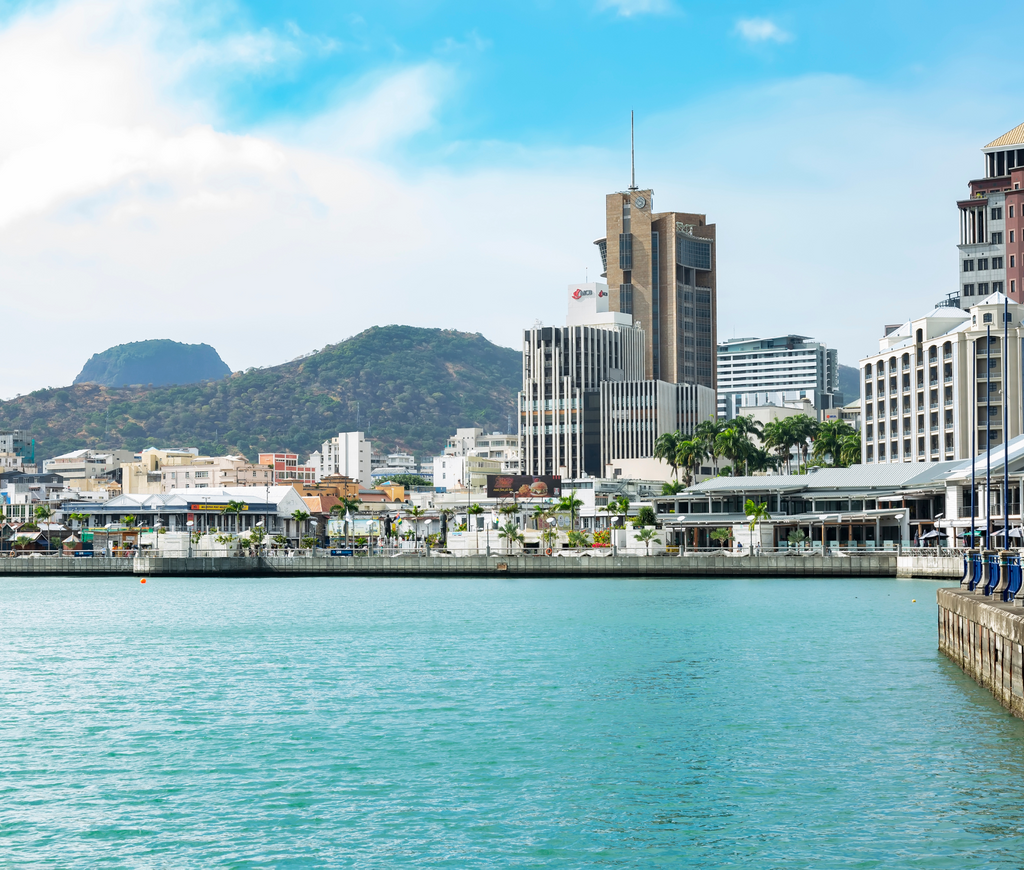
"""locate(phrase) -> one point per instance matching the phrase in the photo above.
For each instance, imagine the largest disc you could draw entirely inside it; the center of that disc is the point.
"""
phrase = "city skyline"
(186, 173)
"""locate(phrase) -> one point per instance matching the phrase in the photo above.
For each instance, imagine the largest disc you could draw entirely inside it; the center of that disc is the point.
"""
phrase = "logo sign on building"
(523, 486)
(581, 292)
(213, 506)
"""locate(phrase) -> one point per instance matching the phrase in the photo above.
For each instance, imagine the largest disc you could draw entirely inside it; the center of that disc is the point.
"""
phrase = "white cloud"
(628, 8)
(761, 30)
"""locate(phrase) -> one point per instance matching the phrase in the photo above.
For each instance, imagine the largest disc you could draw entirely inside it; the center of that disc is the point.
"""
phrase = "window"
(997, 214)
(997, 262)
(1013, 286)
(997, 238)
(997, 286)
(968, 289)
(869, 452)
(987, 318)
(1011, 236)
(968, 265)
(983, 289)
(1009, 213)
(626, 298)
(983, 264)
(1013, 259)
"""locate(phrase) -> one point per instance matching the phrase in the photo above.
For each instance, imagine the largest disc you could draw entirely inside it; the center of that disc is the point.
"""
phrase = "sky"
(270, 177)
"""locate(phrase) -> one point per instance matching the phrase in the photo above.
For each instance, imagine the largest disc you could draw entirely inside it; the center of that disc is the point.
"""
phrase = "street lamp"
(189, 526)
(426, 543)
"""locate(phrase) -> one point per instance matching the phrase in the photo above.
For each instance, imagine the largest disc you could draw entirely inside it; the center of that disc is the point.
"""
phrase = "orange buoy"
(143, 579)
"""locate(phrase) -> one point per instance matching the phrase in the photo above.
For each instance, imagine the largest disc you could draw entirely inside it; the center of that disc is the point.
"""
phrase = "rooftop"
(1014, 137)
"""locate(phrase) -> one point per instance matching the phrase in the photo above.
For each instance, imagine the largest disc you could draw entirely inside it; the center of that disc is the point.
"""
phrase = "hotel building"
(776, 371)
(918, 391)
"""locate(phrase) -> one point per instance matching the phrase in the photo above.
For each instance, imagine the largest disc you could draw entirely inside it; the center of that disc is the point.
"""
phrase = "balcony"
(934, 405)
(948, 379)
(935, 427)
(948, 355)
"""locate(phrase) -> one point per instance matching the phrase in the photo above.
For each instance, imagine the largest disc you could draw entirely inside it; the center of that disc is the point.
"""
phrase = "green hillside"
(407, 388)
(157, 362)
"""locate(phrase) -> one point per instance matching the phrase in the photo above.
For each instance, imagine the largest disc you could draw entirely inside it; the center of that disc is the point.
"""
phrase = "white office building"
(348, 453)
(936, 374)
(778, 371)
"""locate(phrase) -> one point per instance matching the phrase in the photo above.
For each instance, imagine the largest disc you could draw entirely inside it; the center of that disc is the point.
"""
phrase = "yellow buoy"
(912, 600)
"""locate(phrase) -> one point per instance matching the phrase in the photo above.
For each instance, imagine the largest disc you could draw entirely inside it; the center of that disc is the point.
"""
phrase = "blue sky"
(197, 171)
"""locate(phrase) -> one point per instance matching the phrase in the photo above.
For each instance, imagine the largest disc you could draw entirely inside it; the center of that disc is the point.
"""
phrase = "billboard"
(523, 486)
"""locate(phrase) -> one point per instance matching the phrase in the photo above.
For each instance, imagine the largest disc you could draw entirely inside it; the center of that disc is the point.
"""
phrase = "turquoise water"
(489, 723)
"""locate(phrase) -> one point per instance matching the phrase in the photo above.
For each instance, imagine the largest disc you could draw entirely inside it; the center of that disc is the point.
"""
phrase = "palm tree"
(756, 513)
(707, 432)
(620, 507)
(128, 520)
(43, 513)
(666, 448)
(549, 536)
(828, 441)
(346, 506)
(802, 429)
(645, 536)
(540, 513)
(673, 487)
(509, 510)
(733, 445)
(300, 517)
(236, 508)
(849, 449)
(777, 437)
(511, 534)
(689, 455)
(571, 504)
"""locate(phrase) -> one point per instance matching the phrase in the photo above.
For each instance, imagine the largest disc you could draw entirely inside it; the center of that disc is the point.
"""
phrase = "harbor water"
(472, 723)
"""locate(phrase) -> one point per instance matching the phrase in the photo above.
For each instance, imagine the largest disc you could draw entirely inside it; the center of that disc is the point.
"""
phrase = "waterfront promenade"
(774, 565)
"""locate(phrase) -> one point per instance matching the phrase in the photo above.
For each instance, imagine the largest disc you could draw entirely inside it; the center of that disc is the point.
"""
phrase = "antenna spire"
(632, 154)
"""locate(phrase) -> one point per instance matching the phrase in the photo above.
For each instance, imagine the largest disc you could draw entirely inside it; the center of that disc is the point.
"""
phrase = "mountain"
(158, 362)
(849, 383)
(406, 388)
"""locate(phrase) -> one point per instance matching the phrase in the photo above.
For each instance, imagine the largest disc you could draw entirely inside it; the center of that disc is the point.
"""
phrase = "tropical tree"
(689, 456)
(81, 519)
(802, 429)
(622, 509)
(509, 510)
(666, 448)
(706, 433)
(235, 508)
(646, 516)
(129, 520)
(645, 536)
(797, 536)
(849, 449)
(579, 539)
(549, 536)
(474, 510)
(756, 514)
(733, 445)
(511, 535)
(21, 542)
(776, 436)
(721, 536)
(672, 487)
(540, 513)
(828, 442)
(300, 517)
(43, 513)
(571, 504)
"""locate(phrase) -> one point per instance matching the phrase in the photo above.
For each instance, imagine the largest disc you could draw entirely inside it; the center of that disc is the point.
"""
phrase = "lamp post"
(487, 532)
(426, 543)
(189, 526)
(682, 549)
(551, 522)
(313, 523)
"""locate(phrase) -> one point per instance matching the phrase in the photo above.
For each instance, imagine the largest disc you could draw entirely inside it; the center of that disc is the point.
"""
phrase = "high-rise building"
(661, 272)
(935, 375)
(586, 407)
(348, 454)
(776, 371)
(991, 223)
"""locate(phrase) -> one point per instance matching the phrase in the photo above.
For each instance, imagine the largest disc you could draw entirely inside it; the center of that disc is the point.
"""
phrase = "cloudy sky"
(273, 177)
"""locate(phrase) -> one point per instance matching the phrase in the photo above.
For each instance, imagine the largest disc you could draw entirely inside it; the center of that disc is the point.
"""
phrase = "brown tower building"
(660, 268)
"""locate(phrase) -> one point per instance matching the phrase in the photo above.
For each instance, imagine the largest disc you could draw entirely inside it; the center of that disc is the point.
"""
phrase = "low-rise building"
(286, 467)
(464, 472)
(205, 472)
(88, 469)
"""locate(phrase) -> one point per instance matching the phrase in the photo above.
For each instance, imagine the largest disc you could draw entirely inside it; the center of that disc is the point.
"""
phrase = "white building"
(932, 376)
(83, 468)
(473, 442)
(460, 472)
(348, 454)
(586, 408)
(776, 371)
(205, 472)
(395, 463)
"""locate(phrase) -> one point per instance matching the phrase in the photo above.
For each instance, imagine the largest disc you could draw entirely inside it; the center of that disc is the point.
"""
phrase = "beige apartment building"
(215, 471)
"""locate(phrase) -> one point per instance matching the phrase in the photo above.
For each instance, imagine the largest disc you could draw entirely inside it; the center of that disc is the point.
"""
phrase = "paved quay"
(873, 565)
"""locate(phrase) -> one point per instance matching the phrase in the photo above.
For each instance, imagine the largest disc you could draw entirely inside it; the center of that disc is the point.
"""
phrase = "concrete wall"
(934, 567)
(986, 638)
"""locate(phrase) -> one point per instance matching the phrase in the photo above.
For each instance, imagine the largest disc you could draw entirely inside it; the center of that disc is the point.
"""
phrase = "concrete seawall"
(986, 638)
(930, 567)
(874, 565)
